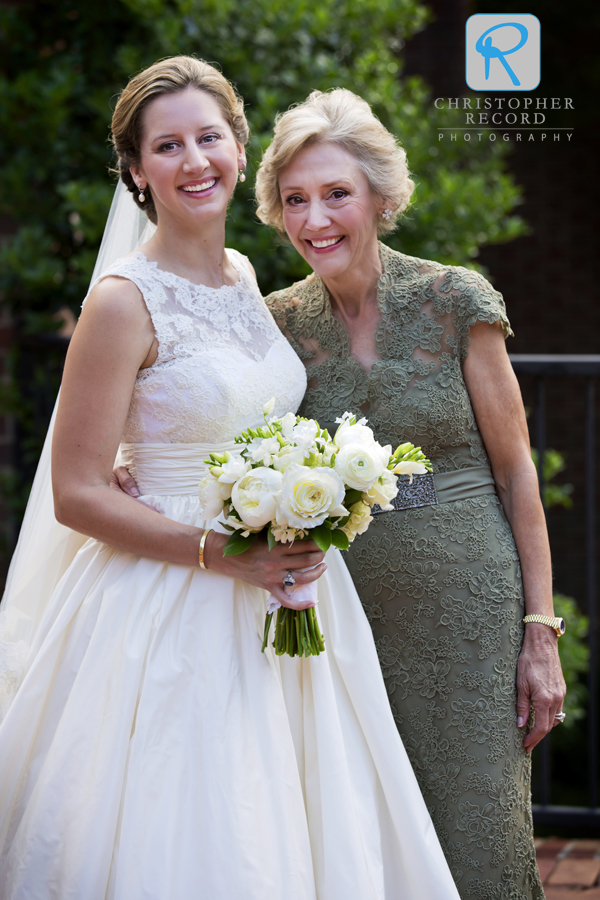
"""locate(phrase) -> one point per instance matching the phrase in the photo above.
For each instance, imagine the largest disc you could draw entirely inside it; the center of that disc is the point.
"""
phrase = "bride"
(151, 751)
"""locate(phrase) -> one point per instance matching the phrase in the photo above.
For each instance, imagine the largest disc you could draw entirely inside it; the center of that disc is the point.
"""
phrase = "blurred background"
(525, 214)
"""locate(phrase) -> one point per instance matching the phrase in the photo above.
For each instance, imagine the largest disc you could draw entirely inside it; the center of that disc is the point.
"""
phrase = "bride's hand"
(266, 568)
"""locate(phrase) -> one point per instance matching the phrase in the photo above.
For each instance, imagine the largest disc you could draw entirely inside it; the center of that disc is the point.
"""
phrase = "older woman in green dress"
(447, 578)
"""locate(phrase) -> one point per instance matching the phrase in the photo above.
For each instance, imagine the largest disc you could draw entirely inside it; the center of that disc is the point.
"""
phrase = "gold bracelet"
(205, 534)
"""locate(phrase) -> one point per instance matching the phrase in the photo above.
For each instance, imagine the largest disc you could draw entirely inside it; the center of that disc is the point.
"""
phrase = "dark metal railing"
(587, 367)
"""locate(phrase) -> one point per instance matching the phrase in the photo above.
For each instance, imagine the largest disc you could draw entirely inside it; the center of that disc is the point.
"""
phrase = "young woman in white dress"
(151, 751)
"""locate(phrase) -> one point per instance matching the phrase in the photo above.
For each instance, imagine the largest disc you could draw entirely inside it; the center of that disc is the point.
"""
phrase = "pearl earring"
(387, 214)
(242, 175)
(141, 195)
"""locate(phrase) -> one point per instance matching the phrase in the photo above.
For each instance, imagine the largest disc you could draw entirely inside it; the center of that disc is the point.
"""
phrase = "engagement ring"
(289, 580)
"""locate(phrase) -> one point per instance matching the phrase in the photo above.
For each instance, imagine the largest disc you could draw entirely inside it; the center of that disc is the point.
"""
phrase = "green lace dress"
(441, 584)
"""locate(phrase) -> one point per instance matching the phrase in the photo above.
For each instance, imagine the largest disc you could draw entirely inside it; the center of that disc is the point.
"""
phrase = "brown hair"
(168, 76)
(343, 118)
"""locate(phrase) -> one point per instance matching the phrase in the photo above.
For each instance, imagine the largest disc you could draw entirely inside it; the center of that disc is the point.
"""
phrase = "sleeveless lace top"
(221, 357)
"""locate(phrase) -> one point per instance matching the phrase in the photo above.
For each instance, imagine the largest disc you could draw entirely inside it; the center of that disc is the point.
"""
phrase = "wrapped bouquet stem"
(291, 481)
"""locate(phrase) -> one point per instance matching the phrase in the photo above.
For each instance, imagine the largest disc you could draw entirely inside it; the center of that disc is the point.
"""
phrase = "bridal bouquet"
(292, 481)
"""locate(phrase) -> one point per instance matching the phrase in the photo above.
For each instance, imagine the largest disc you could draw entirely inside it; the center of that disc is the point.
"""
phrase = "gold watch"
(554, 622)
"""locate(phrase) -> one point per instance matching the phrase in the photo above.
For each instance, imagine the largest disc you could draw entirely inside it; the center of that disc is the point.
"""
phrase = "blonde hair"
(168, 76)
(343, 118)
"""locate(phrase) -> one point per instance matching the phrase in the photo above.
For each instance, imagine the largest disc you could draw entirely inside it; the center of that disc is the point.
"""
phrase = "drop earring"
(141, 195)
(241, 175)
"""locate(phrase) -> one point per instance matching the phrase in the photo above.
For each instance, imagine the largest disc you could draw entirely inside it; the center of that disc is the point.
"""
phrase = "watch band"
(554, 622)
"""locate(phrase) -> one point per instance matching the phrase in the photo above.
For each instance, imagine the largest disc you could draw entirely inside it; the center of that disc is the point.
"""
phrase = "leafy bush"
(63, 65)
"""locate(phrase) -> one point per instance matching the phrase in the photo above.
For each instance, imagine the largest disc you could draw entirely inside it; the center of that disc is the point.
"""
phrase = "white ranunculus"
(360, 465)
(288, 423)
(304, 434)
(262, 450)
(409, 468)
(383, 490)
(255, 496)
(353, 434)
(308, 496)
(359, 521)
(211, 498)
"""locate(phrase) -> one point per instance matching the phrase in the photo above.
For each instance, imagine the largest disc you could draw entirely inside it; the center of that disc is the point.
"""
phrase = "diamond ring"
(289, 580)
(561, 716)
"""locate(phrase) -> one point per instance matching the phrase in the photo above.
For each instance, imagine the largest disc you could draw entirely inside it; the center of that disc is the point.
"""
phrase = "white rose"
(308, 496)
(383, 490)
(211, 497)
(254, 496)
(360, 465)
(353, 434)
(304, 434)
(359, 521)
(409, 468)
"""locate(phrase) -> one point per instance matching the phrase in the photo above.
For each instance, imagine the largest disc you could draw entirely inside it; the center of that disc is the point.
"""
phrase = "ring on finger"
(289, 580)
(561, 716)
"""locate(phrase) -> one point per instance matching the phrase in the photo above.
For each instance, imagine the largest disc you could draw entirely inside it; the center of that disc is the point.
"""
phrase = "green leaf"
(238, 544)
(352, 496)
(271, 540)
(339, 539)
(322, 537)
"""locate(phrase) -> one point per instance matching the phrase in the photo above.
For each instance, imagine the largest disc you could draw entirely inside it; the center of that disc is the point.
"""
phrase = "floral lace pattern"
(441, 585)
(188, 395)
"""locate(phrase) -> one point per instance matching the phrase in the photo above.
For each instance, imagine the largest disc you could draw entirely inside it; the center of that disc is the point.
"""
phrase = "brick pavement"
(570, 869)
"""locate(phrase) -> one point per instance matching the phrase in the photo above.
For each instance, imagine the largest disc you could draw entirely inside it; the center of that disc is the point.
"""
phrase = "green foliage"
(62, 65)
(554, 464)
(574, 657)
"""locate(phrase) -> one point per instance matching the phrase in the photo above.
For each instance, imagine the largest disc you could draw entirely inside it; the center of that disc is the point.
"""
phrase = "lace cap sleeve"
(472, 299)
(293, 309)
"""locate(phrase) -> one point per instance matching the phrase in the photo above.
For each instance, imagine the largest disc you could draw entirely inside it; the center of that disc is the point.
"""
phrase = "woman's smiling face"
(189, 156)
(329, 211)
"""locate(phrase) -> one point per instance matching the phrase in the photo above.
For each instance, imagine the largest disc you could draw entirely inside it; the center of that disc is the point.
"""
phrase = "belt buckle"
(421, 492)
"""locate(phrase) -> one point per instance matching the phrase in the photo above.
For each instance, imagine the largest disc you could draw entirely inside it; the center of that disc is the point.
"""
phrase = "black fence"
(540, 369)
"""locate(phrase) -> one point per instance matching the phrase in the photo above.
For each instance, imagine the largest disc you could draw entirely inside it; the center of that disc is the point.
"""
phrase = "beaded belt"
(446, 487)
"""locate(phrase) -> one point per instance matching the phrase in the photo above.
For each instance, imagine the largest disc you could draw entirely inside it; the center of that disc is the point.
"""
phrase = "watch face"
(561, 626)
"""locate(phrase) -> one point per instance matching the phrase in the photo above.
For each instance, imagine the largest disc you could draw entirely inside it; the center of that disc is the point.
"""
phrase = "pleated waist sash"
(170, 469)
(178, 468)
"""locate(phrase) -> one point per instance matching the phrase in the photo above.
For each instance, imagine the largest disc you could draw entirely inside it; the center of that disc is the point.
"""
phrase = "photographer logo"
(503, 52)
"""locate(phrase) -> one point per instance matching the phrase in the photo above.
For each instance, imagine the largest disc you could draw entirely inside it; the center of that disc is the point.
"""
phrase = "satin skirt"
(153, 752)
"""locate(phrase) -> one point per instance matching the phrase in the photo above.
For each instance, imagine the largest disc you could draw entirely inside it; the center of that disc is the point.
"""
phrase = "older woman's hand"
(540, 682)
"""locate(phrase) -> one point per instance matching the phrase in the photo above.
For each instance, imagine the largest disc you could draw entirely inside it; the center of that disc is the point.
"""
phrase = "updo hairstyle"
(169, 76)
(343, 118)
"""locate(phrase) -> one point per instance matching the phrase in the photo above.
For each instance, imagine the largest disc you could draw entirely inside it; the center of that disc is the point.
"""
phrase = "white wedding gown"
(152, 752)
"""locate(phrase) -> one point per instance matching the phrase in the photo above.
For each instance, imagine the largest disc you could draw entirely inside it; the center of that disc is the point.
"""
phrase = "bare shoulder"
(118, 300)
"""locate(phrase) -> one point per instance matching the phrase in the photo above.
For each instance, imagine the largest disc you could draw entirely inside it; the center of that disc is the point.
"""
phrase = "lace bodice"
(415, 391)
(220, 358)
